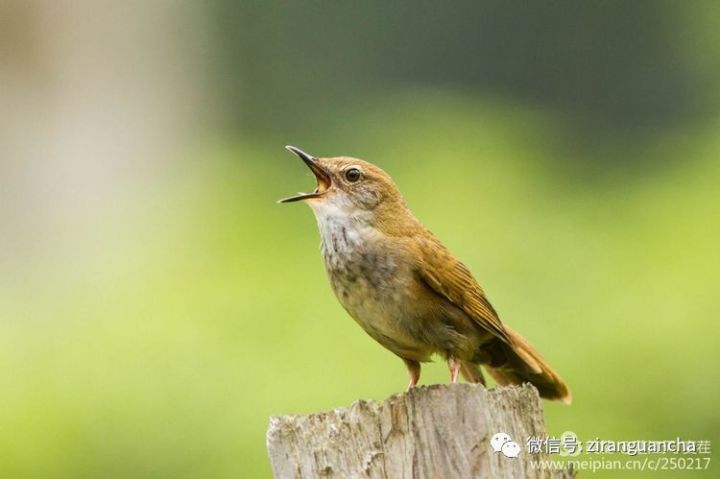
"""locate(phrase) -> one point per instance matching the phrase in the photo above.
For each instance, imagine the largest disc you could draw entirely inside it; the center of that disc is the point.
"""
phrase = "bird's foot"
(413, 368)
(454, 366)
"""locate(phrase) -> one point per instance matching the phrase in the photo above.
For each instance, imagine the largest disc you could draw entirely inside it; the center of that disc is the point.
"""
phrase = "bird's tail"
(523, 363)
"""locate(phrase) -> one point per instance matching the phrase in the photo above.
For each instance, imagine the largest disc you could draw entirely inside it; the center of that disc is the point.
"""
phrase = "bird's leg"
(413, 368)
(454, 366)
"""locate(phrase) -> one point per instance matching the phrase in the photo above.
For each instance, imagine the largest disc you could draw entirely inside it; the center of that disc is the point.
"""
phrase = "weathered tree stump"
(433, 432)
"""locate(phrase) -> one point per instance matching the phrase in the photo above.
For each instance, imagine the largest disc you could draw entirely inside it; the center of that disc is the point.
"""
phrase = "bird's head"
(349, 187)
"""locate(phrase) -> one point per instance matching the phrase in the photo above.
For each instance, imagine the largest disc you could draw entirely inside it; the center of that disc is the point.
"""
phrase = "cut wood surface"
(433, 432)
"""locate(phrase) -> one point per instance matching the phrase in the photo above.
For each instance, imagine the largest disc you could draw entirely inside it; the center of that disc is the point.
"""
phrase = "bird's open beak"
(322, 177)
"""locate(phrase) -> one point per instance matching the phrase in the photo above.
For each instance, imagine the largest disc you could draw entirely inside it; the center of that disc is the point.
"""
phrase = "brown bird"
(403, 286)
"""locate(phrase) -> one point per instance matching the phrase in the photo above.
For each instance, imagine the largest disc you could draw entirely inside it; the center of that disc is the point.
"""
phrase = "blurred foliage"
(613, 65)
(193, 314)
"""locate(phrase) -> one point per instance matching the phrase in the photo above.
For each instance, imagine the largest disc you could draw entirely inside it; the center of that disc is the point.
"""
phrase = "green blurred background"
(157, 306)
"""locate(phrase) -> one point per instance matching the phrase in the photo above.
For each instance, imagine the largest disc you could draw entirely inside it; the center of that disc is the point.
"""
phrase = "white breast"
(362, 270)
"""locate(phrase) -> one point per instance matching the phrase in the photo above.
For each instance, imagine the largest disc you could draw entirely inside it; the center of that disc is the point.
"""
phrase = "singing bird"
(405, 288)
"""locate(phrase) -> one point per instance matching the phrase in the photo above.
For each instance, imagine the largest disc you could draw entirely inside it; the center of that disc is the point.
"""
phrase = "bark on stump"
(433, 432)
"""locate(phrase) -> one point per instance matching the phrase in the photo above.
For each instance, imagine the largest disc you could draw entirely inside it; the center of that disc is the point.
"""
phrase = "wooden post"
(433, 432)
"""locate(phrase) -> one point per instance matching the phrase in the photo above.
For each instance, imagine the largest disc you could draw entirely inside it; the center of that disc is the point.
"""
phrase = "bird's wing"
(449, 278)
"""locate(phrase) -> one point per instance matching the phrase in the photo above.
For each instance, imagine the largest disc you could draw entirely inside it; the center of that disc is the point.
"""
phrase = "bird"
(405, 288)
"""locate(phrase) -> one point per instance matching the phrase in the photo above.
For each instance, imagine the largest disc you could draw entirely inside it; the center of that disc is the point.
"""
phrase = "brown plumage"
(405, 288)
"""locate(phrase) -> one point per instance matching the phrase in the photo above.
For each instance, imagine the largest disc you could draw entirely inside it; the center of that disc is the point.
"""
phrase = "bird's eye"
(352, 175)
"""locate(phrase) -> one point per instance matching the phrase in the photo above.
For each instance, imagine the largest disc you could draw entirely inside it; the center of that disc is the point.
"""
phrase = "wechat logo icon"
(502, 442)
